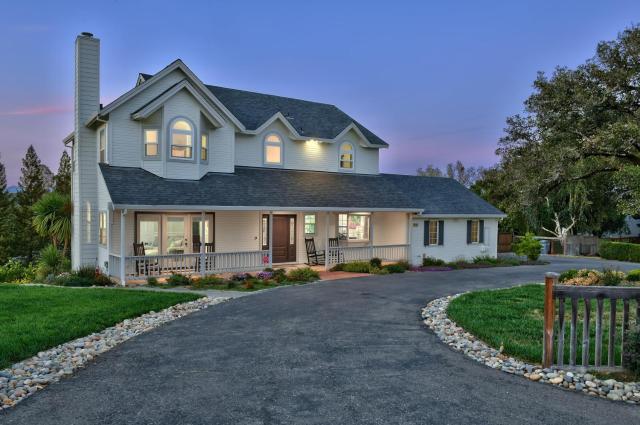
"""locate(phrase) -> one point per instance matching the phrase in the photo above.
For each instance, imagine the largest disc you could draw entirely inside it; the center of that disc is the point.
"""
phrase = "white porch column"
(326, 241)
(371, 236)
(408, 239)
(270, 239)
(123, 223)
(203, 240)
(109, 229)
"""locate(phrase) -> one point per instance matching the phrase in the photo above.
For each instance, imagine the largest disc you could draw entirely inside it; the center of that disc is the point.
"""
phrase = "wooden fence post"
(549, 314)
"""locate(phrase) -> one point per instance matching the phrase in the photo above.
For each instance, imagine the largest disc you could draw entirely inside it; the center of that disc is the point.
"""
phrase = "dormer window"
(204, 147)
(151, 141)
(346, 156)
(272, 149)
(181, 139)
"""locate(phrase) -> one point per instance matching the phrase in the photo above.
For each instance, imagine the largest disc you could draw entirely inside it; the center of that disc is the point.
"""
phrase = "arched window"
(181, 139)
(346, 156)
(272, 149)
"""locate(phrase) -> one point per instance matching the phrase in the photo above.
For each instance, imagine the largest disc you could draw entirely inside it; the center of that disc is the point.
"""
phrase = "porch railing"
(347, 254)
(164, 265)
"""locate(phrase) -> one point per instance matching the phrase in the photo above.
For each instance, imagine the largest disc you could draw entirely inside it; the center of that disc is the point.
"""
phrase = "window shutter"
(441, 232)
(481, 225)
(426, 232)
(468, 232)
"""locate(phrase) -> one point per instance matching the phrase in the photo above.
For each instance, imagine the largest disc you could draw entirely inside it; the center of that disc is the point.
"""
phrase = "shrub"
(404, 264)
(152, 281)
(74, 279)
(265, 275)
(432, 261)
(633, 275)
(15, 271)
(375, 262)
(231, 284)
(208, 280)
(240, 277)
(611, 277)
(87, 272)
(529, 246)
(178, 279)
(377, 270)
(395, 268)
(279, 275)
(356, 267)
(337, 268)
(567, 275)
(102, 280)
(303, 274)
(585, 277)
(51, 262)
(248, 284)
(631, 350)
(620, 251)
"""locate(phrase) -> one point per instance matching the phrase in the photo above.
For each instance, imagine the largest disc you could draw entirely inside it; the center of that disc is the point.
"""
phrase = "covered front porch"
(143, 242)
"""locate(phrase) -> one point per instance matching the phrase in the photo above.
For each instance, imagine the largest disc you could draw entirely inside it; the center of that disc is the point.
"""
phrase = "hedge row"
(620, 251)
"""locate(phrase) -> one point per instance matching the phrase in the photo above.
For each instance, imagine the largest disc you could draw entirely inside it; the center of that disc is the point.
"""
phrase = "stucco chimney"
(84, 244)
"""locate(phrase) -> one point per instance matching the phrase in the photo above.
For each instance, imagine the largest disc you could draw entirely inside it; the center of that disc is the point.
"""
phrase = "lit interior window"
(181, 139)
(273, 149)
(346, 156)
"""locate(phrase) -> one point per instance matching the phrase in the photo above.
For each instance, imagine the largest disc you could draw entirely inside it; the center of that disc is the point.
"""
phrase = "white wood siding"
(455, 241)
(237, 231)
(301, 155)
(389, 228)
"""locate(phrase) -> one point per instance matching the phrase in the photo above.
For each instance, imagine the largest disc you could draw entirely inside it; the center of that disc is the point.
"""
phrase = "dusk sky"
(435, 80)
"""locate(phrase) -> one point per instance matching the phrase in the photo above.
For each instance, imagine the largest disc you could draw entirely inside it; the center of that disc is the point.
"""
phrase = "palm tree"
(52, 218)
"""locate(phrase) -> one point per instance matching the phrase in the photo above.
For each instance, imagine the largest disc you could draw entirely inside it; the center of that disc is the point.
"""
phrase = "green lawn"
(514, 317)
(34, 318)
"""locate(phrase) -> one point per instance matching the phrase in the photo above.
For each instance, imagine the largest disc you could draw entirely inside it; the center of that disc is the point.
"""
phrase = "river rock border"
(28, 376)
(435, 317)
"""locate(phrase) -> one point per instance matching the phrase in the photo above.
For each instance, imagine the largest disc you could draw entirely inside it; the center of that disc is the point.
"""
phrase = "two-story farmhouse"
(177, 175)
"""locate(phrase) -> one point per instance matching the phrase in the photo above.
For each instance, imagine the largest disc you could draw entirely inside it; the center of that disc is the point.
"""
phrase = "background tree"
(455, 170)
(571, 162)
(32, 186)
(62, 180)
(6, 216)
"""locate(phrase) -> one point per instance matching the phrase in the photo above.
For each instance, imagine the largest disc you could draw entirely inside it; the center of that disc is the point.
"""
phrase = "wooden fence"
(587, 294)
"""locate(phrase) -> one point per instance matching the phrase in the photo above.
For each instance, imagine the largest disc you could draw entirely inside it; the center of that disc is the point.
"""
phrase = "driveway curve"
(340, 352)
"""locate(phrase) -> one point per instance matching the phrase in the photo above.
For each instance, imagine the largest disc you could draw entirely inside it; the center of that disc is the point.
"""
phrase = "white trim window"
(204, 147)
(181, 139)
(433, 232)
(102, 146)
(151, 142)
(346, 156)
(102, 228)
(310, 224)
(353, 227)
(474, 231)
(272, 149)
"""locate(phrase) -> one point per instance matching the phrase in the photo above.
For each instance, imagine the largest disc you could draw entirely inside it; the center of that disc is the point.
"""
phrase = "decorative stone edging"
(435, 317)
(28, 376)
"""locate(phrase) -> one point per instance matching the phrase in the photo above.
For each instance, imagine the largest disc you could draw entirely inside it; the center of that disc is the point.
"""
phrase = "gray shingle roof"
(265, 187)
(310, 119)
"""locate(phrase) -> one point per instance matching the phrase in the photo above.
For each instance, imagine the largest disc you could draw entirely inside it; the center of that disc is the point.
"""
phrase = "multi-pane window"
(151, 139)
(102, 146)
(310, 224)
(353, 226)
(102, 228)
(181, 139)
(433, 232)
(204, 147)
(475, 231)
(273, 149)
(346, 156)
(265, 232)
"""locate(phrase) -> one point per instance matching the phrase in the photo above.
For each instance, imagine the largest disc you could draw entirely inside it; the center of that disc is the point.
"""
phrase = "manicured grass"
(35, 318)
(514, 317)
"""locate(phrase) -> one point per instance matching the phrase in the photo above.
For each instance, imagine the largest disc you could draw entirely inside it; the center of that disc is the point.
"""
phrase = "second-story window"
(204, 147)
(272, 149)
(181, 139)
(151, 140)
(102, 146)
(346, 156)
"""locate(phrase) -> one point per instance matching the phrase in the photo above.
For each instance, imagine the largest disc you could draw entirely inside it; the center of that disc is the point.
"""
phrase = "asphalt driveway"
(340, 352)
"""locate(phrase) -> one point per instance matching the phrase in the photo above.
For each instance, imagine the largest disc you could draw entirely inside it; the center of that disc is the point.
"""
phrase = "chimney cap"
(86, 34)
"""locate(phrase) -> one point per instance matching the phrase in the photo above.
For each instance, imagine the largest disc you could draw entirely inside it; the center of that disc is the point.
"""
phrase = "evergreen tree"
(6, 216)
(32, 186)
(62, 180)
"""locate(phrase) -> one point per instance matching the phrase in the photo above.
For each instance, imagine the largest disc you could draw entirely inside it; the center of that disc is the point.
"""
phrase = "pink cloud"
(37, 110)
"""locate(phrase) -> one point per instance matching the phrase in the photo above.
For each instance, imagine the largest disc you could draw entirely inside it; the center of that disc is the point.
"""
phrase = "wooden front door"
(284, 238)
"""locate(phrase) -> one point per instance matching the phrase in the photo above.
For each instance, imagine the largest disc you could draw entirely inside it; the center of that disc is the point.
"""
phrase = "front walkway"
(348, 351)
